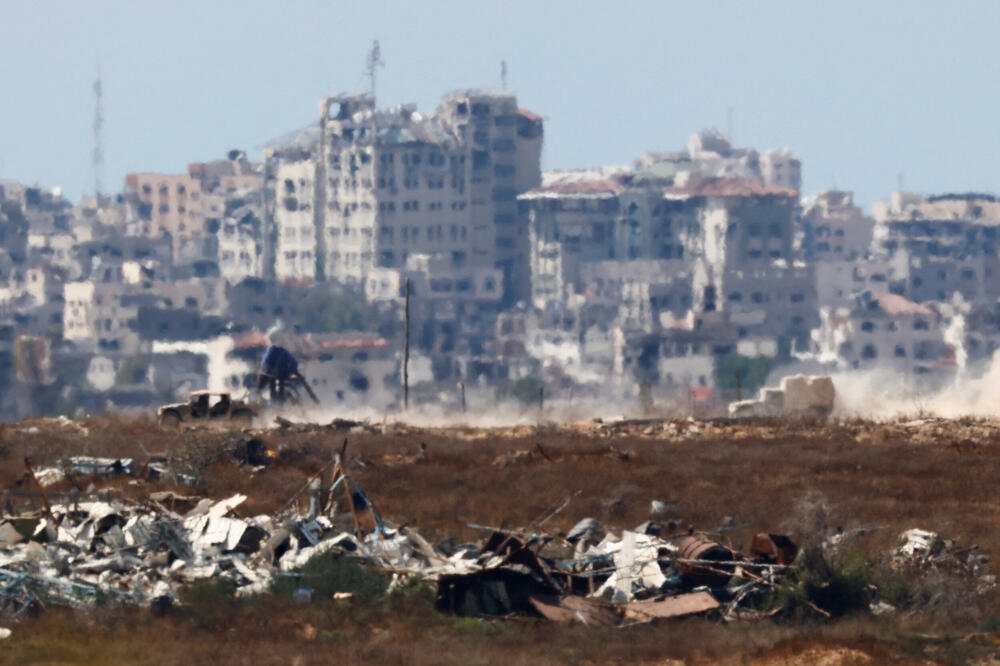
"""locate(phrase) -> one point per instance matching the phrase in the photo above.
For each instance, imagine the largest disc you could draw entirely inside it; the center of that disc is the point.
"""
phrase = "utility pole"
(461, 388)
(406, 351)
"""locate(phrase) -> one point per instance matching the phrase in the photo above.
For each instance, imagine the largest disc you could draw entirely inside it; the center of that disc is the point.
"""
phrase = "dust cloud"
(885, 395)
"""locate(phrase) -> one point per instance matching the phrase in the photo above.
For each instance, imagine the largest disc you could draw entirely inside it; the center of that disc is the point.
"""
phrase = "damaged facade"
(381, 184)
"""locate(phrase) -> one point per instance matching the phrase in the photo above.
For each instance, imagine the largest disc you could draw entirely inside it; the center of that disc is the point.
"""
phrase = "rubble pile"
(144, 552)
(91, 546)
(927, 551)
(631, 578)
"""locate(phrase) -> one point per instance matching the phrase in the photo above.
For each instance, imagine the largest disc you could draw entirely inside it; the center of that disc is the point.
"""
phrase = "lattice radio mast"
(372, 65)
(97, 157)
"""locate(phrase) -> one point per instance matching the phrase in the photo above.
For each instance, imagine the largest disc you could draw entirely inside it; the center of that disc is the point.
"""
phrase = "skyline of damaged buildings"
(679, 277)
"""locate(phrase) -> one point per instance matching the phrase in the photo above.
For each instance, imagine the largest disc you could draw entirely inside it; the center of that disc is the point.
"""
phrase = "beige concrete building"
(93, 312)
(382, 184)
(162, 203)
(568, 224)
(886, 331)
(834, 228)
(296, 241)
(940, 246)
(180, 204)
(105, 314)
(780, 168)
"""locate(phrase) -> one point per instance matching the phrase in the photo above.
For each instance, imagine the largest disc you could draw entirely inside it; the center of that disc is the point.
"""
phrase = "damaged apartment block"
(374, 187)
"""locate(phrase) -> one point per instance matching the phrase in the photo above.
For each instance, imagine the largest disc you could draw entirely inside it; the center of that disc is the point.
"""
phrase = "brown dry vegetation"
(937, 476)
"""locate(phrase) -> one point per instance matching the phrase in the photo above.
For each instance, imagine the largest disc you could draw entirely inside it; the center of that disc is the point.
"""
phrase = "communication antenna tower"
(97, 157)
(503, 74)
(372, 65)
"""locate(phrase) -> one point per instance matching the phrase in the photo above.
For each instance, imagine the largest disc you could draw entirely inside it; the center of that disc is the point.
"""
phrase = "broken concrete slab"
(667, 607)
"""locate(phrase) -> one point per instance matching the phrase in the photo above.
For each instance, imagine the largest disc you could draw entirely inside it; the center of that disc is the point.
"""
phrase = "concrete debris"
(919, 543)
(49, 476)
(881, 608)
(101, 468)
(143, 553)
(923, 549)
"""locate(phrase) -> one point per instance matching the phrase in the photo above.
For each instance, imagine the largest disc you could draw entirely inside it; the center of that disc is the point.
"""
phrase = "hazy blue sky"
(860, 90)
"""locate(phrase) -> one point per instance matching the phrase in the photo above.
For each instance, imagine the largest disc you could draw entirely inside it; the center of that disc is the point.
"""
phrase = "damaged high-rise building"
(373, 186)
(940, 246)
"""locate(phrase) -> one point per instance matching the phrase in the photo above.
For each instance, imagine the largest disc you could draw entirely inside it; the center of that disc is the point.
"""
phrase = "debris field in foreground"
(90, 547)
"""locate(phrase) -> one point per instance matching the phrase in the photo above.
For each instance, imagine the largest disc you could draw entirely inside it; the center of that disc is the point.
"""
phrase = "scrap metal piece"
(102, 467)
(776, 548)
(585, 531)
(696, 560)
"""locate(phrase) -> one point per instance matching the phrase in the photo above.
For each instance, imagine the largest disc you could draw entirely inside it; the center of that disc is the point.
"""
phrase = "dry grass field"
(936, 475)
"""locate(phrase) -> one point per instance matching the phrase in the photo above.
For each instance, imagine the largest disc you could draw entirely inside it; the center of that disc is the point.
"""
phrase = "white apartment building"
(93, 312)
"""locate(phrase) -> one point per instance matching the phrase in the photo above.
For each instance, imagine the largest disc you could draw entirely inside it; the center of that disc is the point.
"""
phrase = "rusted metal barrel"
(704, 552)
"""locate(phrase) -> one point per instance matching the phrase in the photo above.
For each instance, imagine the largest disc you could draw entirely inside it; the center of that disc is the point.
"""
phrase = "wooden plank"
(676, 606)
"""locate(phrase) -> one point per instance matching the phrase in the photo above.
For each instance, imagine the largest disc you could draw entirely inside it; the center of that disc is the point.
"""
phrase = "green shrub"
(839, 588)
(208, 603)
(525, 390)
(325, 574)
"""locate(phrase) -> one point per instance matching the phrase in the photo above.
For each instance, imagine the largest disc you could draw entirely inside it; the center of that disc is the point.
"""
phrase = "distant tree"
(752, 373)
(328, 312)
(525, 390)
(133, 370)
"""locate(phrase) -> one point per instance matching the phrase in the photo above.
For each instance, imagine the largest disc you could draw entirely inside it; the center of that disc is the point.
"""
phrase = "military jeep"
(208, 407)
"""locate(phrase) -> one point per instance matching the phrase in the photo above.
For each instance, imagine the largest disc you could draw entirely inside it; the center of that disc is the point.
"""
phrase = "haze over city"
(868, 94)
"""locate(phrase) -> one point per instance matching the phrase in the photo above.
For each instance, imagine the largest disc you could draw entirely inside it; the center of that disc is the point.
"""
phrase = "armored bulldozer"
(279, 373)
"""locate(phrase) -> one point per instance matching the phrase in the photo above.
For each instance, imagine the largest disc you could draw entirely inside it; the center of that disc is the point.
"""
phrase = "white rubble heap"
(918, 543)
(139, 554)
